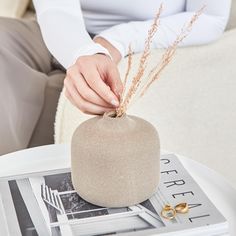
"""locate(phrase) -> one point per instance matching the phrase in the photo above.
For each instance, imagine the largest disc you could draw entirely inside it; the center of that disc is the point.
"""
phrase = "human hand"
(93, 84)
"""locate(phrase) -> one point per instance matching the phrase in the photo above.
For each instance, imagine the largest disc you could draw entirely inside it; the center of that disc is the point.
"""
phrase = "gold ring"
(182, 208)
(168, 212)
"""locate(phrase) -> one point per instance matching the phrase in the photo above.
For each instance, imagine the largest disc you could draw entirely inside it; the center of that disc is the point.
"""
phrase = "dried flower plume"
(156, 71)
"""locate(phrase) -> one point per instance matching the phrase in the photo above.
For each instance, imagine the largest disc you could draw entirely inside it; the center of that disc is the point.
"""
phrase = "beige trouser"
(25, 65)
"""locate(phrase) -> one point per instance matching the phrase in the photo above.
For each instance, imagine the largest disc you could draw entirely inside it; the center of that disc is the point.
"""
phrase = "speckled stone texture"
(115, 161)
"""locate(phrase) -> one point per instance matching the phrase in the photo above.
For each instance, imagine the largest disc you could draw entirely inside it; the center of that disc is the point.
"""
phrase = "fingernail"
(114, 102)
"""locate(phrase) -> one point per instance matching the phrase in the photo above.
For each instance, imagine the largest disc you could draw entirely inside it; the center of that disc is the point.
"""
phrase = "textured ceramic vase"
(115, 162)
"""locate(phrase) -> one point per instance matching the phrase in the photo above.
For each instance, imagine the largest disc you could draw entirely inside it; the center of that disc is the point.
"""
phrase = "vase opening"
(112, 115)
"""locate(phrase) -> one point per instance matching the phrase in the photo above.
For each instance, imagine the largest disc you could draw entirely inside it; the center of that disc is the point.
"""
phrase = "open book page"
(177, 186)
(47, 204)
(8, 218)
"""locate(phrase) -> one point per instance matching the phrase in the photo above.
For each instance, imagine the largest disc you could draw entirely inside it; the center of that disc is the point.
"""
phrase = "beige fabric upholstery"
(13, 8)
(232, 19)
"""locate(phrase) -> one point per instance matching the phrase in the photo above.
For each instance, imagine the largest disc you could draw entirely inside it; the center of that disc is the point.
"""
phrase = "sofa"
(193, 105)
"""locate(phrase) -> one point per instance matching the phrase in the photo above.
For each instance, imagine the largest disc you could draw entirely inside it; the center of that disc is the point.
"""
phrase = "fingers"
(114, 81)
(76, 99)
(95, 82)
(84, 90)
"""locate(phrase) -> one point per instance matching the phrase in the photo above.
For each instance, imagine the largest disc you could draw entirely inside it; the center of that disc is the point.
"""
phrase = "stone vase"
(115, 161)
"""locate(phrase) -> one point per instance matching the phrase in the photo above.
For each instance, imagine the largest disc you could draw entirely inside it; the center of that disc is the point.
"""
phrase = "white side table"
(43, 158)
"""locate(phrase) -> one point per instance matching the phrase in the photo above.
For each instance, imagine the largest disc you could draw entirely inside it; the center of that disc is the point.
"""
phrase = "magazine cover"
(46, 204)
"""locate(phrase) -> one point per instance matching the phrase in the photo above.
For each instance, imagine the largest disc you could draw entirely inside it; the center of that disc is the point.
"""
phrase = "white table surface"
(43, 158)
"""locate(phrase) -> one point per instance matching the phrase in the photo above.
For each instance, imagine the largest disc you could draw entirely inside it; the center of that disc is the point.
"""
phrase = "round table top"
(42, 158)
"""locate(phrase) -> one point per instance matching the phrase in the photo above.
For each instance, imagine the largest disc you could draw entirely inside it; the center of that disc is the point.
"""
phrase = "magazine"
(46, 204)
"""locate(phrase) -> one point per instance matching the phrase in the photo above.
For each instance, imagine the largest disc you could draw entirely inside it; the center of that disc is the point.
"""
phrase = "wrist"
(115, 54)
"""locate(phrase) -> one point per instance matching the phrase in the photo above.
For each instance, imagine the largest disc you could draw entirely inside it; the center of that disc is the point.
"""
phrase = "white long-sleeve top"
(66, 24)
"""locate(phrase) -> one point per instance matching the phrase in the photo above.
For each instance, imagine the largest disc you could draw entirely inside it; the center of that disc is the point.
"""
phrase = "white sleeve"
(208, 28)
(64, 31)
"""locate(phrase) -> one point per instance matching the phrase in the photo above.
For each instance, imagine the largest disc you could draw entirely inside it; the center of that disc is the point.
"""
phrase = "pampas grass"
(155, 72)
(127, 73)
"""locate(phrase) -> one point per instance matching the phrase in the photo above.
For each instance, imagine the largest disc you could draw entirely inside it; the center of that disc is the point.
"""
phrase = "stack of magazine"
(46, 204)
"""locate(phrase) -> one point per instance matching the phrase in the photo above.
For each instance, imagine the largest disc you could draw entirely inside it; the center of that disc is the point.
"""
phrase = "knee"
(8, 31)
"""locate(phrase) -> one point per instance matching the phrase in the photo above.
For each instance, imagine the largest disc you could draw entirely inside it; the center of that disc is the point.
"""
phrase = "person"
(87, 39)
